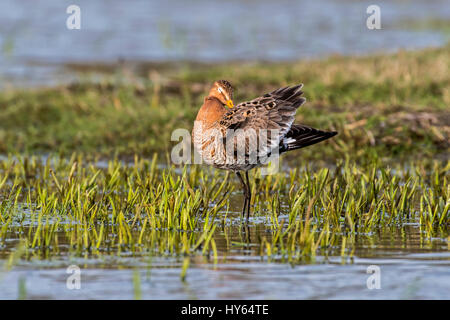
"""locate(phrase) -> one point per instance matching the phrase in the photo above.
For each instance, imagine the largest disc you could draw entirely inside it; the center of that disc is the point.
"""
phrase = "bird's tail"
(300, 136)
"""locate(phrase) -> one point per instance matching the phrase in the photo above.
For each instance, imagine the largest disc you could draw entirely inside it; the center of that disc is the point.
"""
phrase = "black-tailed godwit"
(243, 137)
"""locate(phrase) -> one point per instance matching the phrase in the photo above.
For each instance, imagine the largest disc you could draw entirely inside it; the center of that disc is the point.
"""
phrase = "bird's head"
(223, 91)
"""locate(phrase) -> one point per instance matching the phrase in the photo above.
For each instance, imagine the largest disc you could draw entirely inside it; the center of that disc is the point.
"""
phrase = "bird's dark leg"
(245, 189)
(249, 195)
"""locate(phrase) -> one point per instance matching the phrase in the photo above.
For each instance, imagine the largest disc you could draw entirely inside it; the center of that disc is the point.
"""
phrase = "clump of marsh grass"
(55, 205)
(132, 207)
(329, 207)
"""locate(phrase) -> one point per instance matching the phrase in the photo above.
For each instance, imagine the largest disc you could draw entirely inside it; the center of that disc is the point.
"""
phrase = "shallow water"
(35, 42)
(411, 267)
(422, 277)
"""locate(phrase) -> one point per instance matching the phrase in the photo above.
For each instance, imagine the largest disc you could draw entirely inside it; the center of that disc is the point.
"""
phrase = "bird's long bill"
(230, 103)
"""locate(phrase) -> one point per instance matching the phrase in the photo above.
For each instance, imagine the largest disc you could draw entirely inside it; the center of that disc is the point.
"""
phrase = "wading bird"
(243, 137)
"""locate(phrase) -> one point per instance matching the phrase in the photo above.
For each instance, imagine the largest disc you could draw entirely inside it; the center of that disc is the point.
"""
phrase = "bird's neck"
(211, 111)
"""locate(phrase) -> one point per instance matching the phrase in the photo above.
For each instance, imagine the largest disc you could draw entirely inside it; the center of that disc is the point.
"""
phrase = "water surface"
(35, 41)
(412, 267)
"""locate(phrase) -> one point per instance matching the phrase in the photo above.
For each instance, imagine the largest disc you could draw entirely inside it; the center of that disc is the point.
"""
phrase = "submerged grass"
(111, 208)
(57, 205)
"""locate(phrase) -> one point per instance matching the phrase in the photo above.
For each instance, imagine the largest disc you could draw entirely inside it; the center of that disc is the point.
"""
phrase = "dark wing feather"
(275, 110)
(300, 136)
